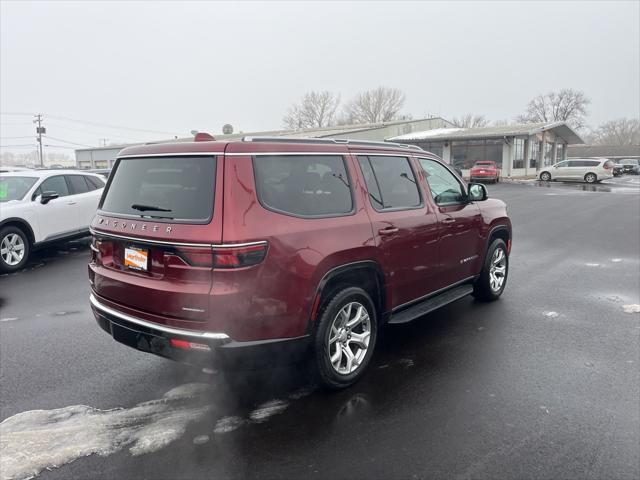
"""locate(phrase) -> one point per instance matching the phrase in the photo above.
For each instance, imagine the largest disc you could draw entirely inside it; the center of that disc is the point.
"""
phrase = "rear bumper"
(221, 352)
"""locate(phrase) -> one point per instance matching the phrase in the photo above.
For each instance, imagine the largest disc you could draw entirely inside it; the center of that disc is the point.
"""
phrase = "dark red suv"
(249, 252)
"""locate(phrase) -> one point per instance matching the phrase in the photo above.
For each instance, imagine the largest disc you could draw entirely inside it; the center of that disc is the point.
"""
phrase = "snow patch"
(592, 264)
(8, 319)
(635, 308)
(551, 314)
(268, 409)
(616, 260)
(228, 424)
(200, 439)
(40, 439)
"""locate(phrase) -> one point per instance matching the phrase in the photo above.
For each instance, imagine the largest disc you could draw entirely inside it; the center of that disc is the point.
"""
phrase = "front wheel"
(590, 178)
(493, 277)
(545, 176)
(14, 249)
(345, 338)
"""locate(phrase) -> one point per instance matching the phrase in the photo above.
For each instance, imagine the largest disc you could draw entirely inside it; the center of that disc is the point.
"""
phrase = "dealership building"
(518, 150)
(104, 157)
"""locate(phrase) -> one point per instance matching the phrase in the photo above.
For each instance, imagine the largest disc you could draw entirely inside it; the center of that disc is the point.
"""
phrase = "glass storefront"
(433, 147)
(535, 153)
(548, 154)
(518, 153)
(464, 154)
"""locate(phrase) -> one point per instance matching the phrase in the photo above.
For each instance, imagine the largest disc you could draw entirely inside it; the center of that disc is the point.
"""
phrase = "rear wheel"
(493, 277)
(14, 249)
(590, 178)
(545, 176)
(345, 338)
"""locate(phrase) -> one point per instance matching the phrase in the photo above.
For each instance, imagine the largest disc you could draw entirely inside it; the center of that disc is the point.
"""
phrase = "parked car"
(631, 165)
(39, 207)
(618, 169)
(588, 170)
(483, 171)
(263, 250)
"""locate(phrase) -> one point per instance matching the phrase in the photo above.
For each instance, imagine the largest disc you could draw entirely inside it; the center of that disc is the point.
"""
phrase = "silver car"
(588, 170)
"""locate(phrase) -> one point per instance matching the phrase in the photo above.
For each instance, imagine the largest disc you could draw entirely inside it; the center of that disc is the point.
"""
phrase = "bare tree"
(567, 105)
(624, 131)
(470, 120)
(315, 110)
(501, 123)
(381, 104)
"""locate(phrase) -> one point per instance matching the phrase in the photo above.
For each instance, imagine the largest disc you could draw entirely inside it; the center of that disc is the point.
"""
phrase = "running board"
(431, 304)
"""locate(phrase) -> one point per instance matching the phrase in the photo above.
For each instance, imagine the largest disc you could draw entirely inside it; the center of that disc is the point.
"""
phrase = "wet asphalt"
(544, 383)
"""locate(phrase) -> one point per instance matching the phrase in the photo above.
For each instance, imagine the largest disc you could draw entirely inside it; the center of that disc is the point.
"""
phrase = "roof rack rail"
(336, 141)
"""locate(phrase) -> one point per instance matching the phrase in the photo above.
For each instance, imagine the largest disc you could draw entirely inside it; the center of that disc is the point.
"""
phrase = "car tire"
(495, 270)
(334, 333)
(591, 178)
(545, 176)
(14, 249)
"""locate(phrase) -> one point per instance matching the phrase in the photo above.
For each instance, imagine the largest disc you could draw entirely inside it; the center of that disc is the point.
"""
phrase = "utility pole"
(104, 141)
(40, 130)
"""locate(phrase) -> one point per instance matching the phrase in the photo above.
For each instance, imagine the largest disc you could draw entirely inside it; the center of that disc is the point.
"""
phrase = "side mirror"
(46, 197)
(477, 192)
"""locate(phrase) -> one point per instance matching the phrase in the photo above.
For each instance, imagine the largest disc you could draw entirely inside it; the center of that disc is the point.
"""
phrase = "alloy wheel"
(498, 269)
(349, 338)
(12, 249)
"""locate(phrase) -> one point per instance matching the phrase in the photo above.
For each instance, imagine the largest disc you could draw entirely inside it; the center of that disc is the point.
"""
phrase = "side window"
(94, 182)
(592, 163)
(54, 184)
(562, 164)
(78, 184)
(444, 186)
(303, 185)
(390, 182)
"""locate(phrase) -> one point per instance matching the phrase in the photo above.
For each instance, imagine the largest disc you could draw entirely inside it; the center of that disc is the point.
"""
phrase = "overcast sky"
(176, 66)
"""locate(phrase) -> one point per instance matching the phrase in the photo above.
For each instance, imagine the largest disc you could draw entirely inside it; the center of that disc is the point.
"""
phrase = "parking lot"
(543, 383)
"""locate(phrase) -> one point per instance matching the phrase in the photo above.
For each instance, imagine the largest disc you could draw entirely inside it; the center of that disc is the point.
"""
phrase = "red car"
(244, 253)
(483, 171)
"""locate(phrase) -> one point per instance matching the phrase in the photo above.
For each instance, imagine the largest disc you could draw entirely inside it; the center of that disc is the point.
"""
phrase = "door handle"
(388, 230)
(449, 220)
(71, 202)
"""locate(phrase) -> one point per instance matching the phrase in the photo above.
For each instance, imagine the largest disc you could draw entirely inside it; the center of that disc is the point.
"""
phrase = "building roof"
(561, 129)
(609, 151)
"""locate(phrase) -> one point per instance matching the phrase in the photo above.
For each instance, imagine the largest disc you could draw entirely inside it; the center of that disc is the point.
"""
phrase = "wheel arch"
(22, 225)
(502, 232)
(366, 274)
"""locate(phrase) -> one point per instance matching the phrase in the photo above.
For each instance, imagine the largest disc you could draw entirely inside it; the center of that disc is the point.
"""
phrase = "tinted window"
(390, 182)
(180, 188)
(445, 188)
(562, 164)
(304, 185)
(15, 188)
(94, 182)
(78, 185)
(54, 184)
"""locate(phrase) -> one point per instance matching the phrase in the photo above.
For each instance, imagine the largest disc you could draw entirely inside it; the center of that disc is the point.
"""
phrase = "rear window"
(174, 188)
(303, 185)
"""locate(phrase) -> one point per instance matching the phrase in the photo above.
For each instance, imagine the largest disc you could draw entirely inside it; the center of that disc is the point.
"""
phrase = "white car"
(39, 207)
(588, 170)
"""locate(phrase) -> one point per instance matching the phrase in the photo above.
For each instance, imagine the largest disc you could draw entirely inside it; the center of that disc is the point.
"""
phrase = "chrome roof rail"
(335, 141)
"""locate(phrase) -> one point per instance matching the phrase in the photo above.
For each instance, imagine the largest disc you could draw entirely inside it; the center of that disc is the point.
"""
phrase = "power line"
(18, 146)
(14, 138)
(88, 122)
(67, 141)
(77, 130)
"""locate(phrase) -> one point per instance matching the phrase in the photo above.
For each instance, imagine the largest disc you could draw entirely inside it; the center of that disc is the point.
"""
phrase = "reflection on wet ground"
(55, 252)
(614, 185)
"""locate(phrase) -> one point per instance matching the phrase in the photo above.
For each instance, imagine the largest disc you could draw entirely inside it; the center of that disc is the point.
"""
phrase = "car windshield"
(484, 164)
(15, 188)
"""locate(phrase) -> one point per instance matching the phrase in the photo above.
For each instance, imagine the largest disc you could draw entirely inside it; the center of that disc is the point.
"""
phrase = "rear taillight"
(607, 165)
(238, 257)
(222, 256)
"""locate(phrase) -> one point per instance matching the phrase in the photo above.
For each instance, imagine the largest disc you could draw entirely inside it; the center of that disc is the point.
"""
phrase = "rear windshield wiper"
(149, 208)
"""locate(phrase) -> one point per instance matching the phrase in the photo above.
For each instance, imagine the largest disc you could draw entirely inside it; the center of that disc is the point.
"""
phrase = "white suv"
(588, 170)
(38, 207)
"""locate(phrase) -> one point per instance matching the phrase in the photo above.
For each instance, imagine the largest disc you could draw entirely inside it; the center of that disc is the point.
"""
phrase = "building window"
(518, 157)
(535, 153)
(548, 154)
(434, 147)
(466, 153)
(559, 153)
